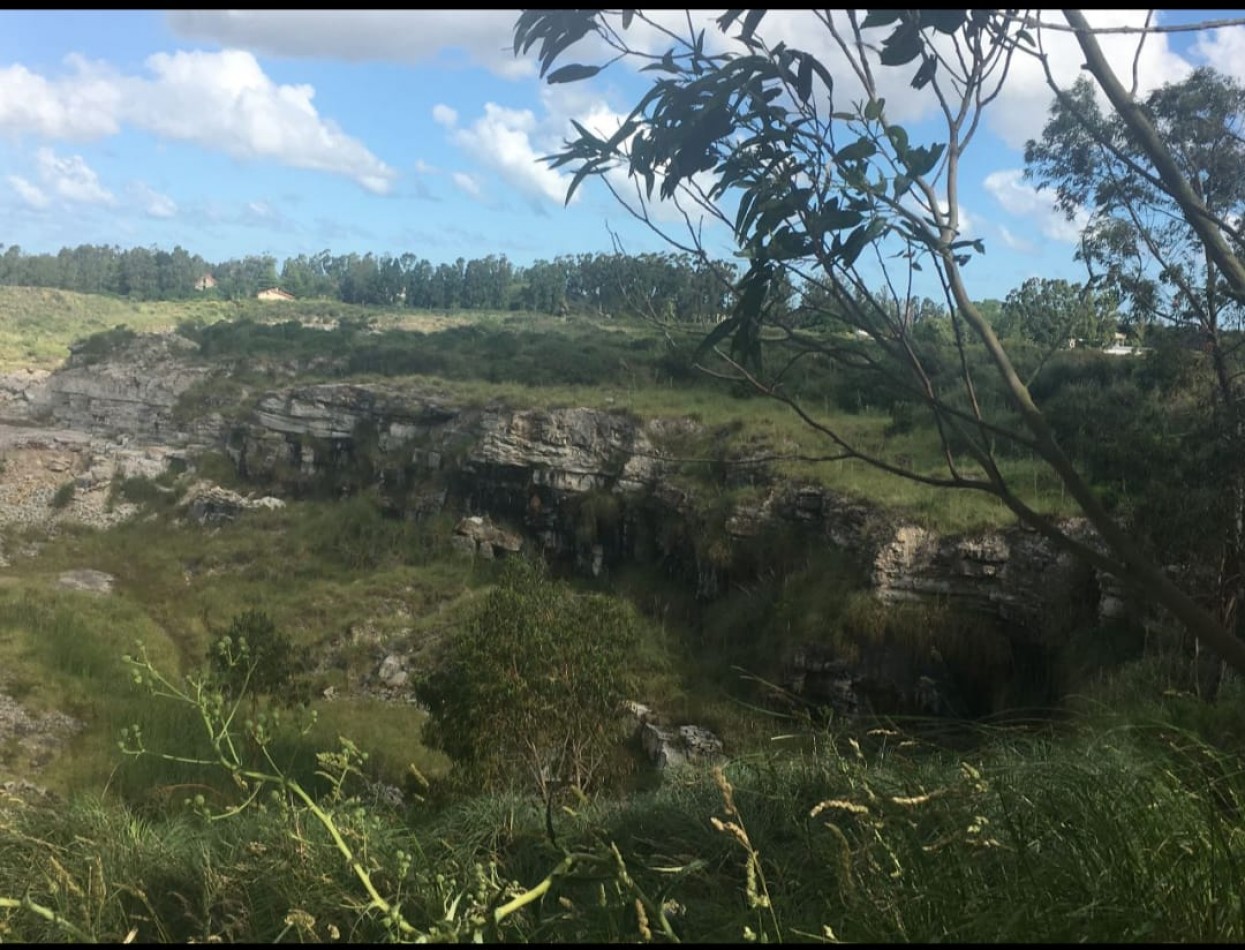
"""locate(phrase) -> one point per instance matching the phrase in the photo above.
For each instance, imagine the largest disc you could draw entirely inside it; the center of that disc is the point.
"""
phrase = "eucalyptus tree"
(1140, 245)
(798, 152)
(1053, 312)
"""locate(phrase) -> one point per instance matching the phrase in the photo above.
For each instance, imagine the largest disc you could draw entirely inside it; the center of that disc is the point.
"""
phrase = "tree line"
(678, 288)
(675, 286)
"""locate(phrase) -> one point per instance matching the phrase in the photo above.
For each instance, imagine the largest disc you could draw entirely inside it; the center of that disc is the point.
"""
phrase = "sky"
(255, 132)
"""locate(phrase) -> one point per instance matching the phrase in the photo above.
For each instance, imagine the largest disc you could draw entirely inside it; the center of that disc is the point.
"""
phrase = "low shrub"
(64, 495)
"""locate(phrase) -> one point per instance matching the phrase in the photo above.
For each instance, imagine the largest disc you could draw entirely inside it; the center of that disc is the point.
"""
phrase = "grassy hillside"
(37, 324)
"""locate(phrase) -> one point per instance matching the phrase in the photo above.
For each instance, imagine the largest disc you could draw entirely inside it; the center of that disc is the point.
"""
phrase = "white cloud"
(501, 139)
(219, 100)
(1224, 49)
(467, 183)
(30, 193)
(1014, 242)
(80, 107)
(398, 36)
(225, 101)
(1022, 109)
(444, 115)
(72, 179)
(153, 203)
(425, 169)
(1008, 188)
(511, 144)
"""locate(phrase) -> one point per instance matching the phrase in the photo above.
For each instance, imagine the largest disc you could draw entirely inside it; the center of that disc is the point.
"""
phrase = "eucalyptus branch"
(849, 450)
(1085, 28)
(1141, 44)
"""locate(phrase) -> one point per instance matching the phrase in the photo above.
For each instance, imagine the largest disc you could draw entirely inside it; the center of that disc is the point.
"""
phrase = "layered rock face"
(582, 484)
(130, 393)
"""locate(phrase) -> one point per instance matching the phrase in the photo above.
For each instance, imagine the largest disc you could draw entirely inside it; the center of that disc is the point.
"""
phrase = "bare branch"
(1197, 27)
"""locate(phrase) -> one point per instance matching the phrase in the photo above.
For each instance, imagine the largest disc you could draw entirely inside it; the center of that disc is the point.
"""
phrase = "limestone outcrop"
(595, 487)
(210, 504)
(130, 392)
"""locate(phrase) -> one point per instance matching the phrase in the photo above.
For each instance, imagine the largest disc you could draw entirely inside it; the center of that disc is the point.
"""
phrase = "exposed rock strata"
(130, 393)
(588, 485)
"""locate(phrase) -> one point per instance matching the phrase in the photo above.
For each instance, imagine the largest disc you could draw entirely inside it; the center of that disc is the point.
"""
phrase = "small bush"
(535, 684)
(254, 655)
(99, 346)
(138, 490)
(64, 495)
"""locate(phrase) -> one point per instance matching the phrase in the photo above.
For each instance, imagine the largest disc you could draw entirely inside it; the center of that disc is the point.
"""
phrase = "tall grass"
(323, 572)
(1123, 833)
(1131, 834)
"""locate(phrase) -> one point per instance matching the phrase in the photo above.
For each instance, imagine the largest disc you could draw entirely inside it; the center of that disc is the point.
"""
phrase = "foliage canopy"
(534, 686)
(797, 153)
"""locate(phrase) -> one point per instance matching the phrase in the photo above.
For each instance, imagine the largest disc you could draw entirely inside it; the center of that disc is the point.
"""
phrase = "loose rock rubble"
(38, 737)
(94, 582)
(670, 747)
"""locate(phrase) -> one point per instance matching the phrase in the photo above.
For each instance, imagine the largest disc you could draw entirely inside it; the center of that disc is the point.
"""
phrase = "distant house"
(274, 293)
(206, 282)
(1121, 347)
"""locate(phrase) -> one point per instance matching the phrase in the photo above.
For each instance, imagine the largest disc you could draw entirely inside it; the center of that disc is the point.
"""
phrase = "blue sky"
(234, 133)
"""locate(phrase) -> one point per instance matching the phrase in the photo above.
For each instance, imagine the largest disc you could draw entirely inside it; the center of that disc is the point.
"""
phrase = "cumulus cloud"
(153, 203)
(1008, 188)
(81, 106)
(486, 37)
(219, 100)
(224, 100)
(1020, 111)
(444, 115)
(501, 139)
(72, 179)
(1022, 108)
(30, 193)
(1224, 49)
(467, 184)
(397, 36)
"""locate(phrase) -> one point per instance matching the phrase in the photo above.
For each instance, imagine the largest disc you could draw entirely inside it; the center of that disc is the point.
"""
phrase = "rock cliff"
(130, 392)
(595, 487)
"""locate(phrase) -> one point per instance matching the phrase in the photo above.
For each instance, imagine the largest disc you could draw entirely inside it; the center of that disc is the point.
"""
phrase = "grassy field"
(343, 583)
(177, 589)
(38, 324)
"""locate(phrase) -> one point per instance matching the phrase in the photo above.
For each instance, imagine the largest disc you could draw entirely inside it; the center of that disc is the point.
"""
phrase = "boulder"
(210, 504)
(392, 672)
(95, 582)
(685, 745)
(671, 747)
(488, 539)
